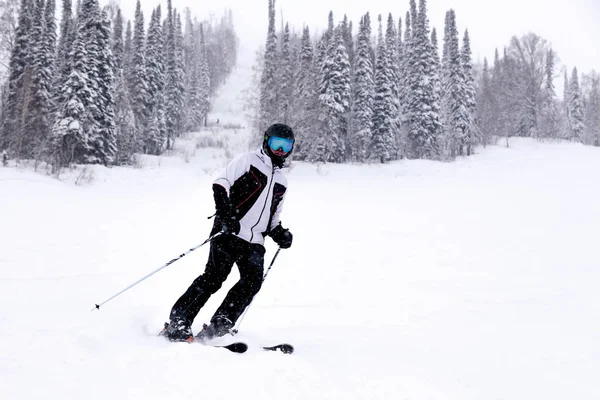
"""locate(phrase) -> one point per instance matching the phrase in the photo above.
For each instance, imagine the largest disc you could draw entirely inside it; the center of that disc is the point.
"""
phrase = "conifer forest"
(98, 88)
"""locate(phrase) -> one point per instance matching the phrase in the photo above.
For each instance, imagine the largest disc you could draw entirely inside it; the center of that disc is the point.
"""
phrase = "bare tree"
(530, 52)
(590, 86)
(9, 10)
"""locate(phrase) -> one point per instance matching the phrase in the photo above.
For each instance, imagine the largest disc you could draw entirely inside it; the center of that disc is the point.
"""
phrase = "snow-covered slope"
(415, 280)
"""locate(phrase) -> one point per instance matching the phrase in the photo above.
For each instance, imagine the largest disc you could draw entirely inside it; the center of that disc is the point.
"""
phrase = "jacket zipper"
(264, 205)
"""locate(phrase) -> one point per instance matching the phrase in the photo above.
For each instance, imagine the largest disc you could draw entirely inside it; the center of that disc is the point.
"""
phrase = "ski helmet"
(278, 142)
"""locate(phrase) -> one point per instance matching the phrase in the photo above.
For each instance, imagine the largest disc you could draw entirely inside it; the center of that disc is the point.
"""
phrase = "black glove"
(283, 237)
(231, 225)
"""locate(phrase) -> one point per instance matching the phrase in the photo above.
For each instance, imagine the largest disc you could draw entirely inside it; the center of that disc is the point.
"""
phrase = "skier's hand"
(283, 237)
(231, 225)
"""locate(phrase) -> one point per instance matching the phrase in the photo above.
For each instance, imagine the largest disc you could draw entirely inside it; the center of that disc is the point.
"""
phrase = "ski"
(236, 347)
(284, 348)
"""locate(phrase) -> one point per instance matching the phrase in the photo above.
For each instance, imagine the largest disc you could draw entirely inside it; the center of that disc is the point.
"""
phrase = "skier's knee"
(207, 284)
(213, 286)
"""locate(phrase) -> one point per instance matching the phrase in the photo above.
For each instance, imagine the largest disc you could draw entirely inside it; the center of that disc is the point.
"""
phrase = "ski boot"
(219, 326)
(178, 331)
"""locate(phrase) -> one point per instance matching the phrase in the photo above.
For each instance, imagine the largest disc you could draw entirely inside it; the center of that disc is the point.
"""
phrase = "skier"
(249, 195)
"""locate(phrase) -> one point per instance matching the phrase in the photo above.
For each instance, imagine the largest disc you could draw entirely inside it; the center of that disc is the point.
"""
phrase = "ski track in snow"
(415, 280)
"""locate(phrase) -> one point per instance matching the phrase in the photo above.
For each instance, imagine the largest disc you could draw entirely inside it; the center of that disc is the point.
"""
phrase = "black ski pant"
(225, 250)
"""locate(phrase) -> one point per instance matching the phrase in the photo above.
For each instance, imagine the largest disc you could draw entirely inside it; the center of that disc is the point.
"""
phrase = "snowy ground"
(416, 280)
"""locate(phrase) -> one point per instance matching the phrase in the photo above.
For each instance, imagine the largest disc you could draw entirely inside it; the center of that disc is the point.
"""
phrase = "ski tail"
(285, 348)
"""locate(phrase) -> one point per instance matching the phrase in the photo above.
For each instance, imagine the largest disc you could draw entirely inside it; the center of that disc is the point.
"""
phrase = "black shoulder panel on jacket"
(246, 190)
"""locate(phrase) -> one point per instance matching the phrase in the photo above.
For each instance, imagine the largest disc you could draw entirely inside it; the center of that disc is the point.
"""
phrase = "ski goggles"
(278, 143)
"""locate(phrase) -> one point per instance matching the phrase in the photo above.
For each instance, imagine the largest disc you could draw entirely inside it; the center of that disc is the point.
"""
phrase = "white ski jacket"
(256, 190)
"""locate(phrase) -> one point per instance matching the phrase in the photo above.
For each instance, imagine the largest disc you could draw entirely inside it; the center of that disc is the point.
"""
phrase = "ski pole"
(264, 277)
(97, 306)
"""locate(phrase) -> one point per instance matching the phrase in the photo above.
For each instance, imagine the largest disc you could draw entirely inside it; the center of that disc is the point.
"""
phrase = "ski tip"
(237, 347)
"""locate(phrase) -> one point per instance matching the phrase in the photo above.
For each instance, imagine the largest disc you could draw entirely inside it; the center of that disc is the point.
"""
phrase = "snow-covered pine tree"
(69, 133)
(423, 104)
(470, 138)
(330, 26)
(400, 84)
(118, 49)
(124, 118)
(385, 109)
(199, 85)
(38, 109)
(577, 125)
(485, 104)
(382, 124)
(170, 67)
(155, 78)
(444, 71)
(457, 120)
(323, 44)
(175, 75)
(549, 116)
(393, 70)
(269, 93)
(84, 131)
(189, 45)
(348, 38)
(65, 43)
(285, 79)
(103, 142)
(435, 46)
(157, 128)
(19, 82)
(305, 98)
(566, 108)
(138, 79)
(403, 84)
(364, 94)
(335, 92)
(50, 38)
(205, 93)
(179, 74)
(128, 54)
(50, 46)
(437, 83)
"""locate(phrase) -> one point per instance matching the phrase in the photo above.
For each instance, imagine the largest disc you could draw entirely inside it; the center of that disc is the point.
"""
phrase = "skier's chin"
(279, 153)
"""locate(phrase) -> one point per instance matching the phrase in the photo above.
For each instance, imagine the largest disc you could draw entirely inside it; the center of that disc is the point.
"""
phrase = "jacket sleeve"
(280, 191)
(234, 169)
(276, 220)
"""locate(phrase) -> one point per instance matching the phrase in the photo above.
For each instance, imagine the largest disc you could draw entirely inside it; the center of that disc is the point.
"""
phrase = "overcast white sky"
(570, 25)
